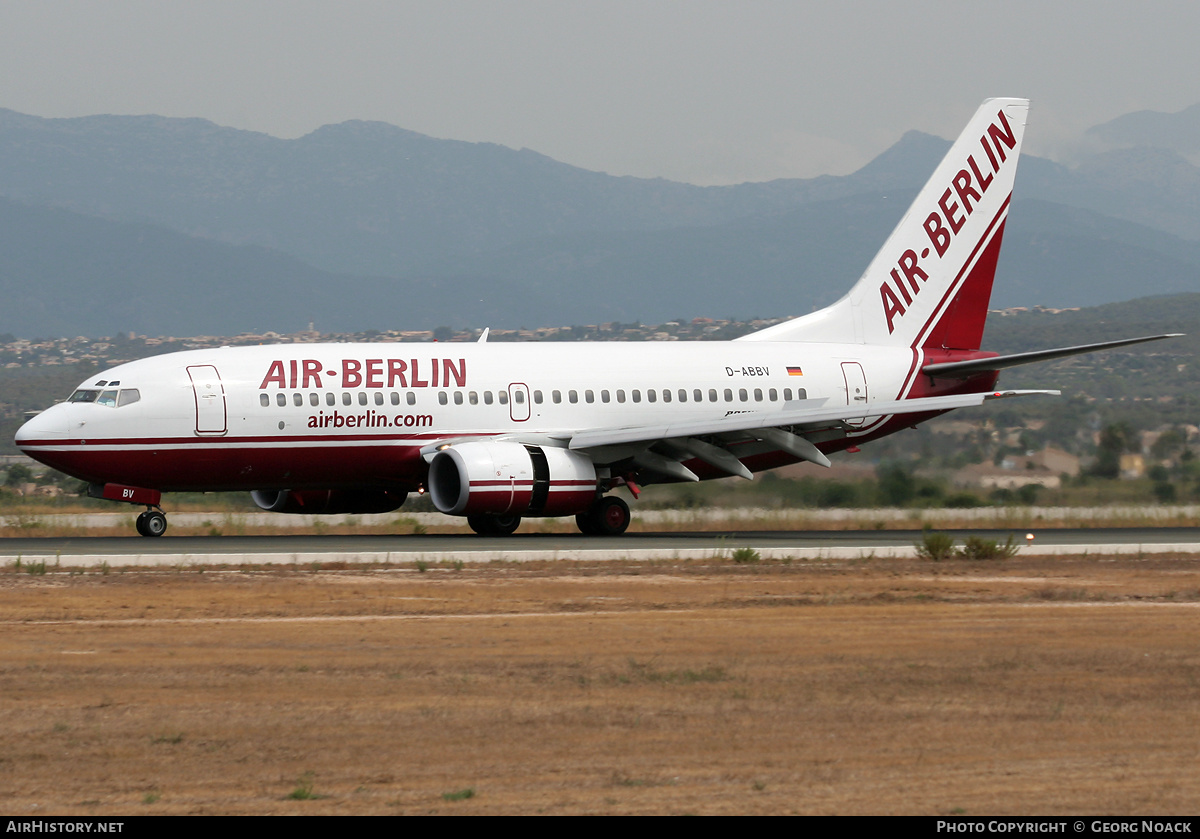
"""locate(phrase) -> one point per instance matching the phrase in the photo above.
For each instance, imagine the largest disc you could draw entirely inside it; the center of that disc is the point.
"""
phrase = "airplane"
(498, 431)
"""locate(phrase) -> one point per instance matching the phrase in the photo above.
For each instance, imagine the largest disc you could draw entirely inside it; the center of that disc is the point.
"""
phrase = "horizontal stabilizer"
(962, 369)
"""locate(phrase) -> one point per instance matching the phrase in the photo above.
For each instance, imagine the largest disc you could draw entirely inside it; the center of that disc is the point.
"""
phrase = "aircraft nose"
(50, 424)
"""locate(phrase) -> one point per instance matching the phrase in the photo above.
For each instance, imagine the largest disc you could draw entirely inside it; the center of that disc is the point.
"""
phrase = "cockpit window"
(108, 398)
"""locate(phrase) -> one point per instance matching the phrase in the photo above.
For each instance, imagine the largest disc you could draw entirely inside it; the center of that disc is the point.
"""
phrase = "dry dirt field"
(1022, 686)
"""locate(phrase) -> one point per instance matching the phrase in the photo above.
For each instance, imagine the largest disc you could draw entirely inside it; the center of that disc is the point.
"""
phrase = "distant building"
(1044, 468)
(1133, 466)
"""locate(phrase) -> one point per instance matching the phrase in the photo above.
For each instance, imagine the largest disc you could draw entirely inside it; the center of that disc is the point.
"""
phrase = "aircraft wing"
(679, 439)
(750, 421)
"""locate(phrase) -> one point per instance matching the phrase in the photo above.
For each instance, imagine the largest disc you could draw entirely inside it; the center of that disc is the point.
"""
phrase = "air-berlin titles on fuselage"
(369, 372)
(969, 185)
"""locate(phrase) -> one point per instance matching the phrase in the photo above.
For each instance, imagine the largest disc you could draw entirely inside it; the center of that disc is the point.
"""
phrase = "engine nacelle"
(511, 479)
(328, 501)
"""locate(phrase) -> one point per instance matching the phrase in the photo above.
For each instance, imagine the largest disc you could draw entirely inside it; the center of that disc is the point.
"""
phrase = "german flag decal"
(795, 371)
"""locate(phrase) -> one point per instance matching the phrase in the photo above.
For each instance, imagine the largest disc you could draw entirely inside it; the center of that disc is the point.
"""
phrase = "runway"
(94, 552)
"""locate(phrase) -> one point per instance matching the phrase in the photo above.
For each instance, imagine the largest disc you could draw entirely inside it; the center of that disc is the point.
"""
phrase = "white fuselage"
(330, 415)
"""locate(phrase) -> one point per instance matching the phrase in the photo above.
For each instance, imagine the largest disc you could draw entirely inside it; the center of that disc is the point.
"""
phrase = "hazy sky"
(708, 92)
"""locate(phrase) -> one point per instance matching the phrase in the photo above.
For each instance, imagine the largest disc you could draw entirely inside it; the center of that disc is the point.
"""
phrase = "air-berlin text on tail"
(957, 202)
(367, 372)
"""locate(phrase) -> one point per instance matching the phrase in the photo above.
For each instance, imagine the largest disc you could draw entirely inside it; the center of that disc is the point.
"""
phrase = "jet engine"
(318, 501)
(497, 478)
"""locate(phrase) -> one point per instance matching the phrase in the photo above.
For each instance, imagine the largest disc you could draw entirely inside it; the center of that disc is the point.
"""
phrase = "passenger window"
(620, 395)
(345, 398)
(728, 394)
(698, 395)
(537, 397)
(129, 396)
(519, 395)
(263, 399)
(773, 395)
(742, 395)
(314, 399)
(458, 397)
(758, 394)
(637, 395)
(590, 397)
(410, 398)
(280, 399)
(712, 394)
(573, 396)
(682, 395)
(502, 396)
(442, 400)
(801, 393)
(362, 397)
(604, 397)
(487, 397)
(330, 398)
(378, 398)
(297, 399)
(473, 398)
(556, 396)
(395, 397)
(787, 394)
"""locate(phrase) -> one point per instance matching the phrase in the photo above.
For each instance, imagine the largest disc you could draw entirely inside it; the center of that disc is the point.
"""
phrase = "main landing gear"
(488, 525)
(609, 516)
(151, 523)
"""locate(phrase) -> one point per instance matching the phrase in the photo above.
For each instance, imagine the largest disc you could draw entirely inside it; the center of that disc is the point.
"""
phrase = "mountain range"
(179, 226)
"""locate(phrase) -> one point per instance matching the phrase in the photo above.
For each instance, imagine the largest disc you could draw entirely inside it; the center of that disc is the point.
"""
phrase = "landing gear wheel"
(488, 525)
(505, 525)
(607, 517)
(585, 524)
(151, 523)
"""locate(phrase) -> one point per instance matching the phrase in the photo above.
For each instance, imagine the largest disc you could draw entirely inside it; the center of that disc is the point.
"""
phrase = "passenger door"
(210, 399)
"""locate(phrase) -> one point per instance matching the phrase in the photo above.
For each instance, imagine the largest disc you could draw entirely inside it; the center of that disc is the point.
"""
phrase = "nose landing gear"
(153, 522)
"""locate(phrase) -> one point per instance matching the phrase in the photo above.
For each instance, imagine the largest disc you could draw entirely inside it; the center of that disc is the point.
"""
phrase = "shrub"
(976, 547)
(743, 555)
(935, 545)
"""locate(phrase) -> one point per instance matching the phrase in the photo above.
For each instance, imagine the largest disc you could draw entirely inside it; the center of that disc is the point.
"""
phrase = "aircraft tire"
(610, 516)
(482, 525)
(505, 525)
(151, 523)
(585, 524)
(489, 525)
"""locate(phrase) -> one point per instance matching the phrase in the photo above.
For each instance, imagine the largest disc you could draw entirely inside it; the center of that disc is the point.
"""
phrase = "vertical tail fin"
(930, 284)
